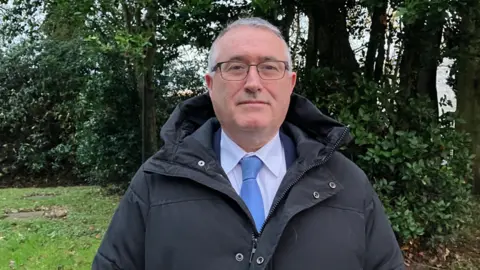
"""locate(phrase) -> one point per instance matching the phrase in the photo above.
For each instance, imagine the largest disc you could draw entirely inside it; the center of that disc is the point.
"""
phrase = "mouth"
(252, 102)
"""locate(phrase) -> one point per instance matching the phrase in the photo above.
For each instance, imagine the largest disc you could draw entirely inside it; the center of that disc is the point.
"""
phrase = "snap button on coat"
(239, 257)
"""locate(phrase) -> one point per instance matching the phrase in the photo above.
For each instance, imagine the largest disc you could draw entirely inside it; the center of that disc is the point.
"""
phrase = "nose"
(253, 83)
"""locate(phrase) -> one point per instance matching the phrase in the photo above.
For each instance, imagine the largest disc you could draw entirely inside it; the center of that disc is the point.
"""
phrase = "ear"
(293, 81)
(209, 81)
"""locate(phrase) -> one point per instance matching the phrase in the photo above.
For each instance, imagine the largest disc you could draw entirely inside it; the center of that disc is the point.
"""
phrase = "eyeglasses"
(238, 71)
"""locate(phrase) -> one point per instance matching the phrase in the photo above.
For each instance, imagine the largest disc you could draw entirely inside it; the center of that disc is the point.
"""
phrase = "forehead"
(250, 44)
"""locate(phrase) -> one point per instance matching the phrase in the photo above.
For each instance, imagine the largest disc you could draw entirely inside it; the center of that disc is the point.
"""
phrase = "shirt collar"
(270, 154)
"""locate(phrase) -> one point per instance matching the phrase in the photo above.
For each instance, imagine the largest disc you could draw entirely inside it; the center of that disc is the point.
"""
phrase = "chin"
(253, 125)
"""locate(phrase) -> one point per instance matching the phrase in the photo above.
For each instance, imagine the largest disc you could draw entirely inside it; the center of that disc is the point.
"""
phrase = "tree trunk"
(333, 43)
(410, 58)
(468, 80)
(144, 71)
(379, 63)
(418, 68)
(468, 106)
(328, 42)
(376, 45)
(149, 110)
(290, 12)
(427, 79)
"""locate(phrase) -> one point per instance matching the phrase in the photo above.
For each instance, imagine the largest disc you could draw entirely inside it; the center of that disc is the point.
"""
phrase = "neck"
(250, 141)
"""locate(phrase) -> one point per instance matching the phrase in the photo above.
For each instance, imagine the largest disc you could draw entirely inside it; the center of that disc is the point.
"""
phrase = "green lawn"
(68, 242)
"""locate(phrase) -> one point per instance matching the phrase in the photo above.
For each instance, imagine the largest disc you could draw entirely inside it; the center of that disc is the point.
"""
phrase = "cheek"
(281, 97)
(231, 92)
(219, 91)
(280, 94)
(223, 97)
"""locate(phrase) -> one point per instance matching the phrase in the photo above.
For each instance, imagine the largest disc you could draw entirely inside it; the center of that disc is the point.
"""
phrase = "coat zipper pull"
(254, 248)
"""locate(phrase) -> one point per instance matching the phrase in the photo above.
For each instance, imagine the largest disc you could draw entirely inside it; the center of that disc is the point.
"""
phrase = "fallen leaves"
(442, 257)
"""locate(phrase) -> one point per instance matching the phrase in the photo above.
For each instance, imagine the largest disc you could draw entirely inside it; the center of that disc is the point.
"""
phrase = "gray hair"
(254, 22)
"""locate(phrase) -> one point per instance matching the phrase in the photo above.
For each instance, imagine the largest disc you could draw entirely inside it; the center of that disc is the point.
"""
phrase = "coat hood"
(189, 115)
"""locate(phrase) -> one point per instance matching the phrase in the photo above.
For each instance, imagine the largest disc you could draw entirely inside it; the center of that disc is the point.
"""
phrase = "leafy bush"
(72, 109)
(107, 134)
(38, 92)
(419, 164)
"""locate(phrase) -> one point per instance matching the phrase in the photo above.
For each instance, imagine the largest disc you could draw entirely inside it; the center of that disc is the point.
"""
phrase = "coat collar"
(188, 133)
(189, 115)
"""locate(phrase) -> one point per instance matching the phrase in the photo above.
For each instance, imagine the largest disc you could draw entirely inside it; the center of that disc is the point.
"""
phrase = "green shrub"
(418, 163)
(39, 84)
(107, 134)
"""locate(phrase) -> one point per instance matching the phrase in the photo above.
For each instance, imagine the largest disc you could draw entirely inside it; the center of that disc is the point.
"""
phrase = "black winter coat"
(180, 212)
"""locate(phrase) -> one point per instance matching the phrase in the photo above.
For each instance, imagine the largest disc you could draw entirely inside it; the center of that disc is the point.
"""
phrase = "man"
(250, 178)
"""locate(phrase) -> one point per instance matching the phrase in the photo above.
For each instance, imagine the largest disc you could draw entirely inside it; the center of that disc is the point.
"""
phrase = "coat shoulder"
(346, 171)
(356, 187)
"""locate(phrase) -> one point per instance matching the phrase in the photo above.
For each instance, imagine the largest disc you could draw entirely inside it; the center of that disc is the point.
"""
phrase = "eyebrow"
(244, 58)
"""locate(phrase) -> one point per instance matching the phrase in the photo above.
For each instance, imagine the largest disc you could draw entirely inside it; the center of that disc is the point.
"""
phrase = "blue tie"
(250, 191)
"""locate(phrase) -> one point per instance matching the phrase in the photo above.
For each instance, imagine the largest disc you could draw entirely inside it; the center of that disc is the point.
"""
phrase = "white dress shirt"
(271, 174)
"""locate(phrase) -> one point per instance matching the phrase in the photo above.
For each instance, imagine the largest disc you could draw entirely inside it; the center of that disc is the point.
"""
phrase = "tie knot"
(250, 167)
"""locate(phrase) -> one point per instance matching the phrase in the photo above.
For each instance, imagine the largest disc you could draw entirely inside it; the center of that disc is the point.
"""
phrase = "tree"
(376, 45)
(468, 79)
(328, 40)
(422, 35)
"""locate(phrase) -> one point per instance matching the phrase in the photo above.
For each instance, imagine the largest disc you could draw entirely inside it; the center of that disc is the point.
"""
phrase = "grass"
(54, 243)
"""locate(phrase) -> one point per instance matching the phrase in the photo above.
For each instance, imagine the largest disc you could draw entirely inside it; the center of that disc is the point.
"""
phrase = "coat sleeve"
(383, 251)
(122, 246)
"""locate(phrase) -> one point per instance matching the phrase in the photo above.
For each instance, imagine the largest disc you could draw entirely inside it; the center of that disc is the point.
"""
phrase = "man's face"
(252, 103)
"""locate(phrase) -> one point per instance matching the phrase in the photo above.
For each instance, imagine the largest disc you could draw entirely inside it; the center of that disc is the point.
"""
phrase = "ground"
(56, 228)
(61, 228)
(461, 254)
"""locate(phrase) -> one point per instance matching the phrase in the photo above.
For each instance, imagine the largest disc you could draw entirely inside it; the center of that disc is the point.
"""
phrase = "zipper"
(325, 159)
(254, 248)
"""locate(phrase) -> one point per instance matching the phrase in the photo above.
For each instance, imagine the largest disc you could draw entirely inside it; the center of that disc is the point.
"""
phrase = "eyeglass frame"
(217, 66)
